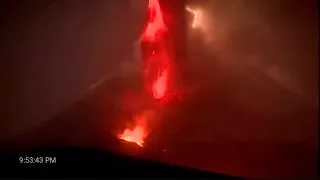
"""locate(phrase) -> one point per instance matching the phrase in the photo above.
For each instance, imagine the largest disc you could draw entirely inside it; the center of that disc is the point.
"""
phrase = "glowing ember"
(136, 135)
(159, 87)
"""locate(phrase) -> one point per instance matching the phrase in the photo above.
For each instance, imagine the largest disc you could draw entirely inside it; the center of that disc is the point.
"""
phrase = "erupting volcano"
(156, 78)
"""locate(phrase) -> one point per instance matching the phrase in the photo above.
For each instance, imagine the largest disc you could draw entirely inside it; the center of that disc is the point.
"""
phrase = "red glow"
(154, 33)
(140, 131)
(157, 63)
(155, 23)
(159, 87)
(135, 135)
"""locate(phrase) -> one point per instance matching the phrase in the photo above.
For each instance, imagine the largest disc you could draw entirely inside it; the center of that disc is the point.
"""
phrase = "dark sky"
(52, 51)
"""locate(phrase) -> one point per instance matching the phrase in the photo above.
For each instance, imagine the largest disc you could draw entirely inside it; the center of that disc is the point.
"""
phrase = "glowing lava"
(156, 23)
(154, 35)
(159, 87)
(139, 132)
(136, 135)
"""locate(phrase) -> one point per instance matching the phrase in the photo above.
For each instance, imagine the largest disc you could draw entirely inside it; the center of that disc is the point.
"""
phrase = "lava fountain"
(156, 70)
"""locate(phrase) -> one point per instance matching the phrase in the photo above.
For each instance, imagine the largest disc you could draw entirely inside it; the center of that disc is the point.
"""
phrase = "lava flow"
(153, 35)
